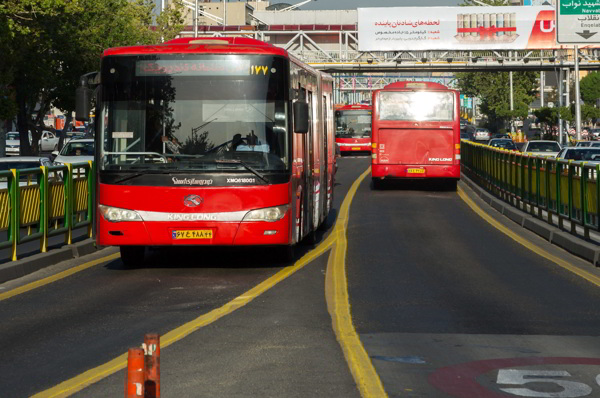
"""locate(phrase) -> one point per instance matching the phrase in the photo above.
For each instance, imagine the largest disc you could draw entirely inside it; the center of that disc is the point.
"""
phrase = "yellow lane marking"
(359, 362)
(338, 303)
(59, 276)
(91, 376)
(534, 248)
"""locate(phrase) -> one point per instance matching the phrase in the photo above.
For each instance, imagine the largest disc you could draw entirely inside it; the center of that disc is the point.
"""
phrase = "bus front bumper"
(155, 233)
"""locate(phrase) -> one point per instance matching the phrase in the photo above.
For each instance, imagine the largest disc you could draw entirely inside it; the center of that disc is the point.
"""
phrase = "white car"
(545, 148)
(13, 143)
(48, 142)
(586, 154)
(481, 134)
(75, 151)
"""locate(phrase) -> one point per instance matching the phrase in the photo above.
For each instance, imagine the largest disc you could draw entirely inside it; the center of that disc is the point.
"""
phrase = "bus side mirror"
(300, 117)
(82, 102)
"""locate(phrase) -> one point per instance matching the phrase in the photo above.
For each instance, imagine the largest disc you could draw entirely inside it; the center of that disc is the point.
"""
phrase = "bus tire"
(451, 185)
(377, 183)
(132, 256)
(285, 254)
(310, 238)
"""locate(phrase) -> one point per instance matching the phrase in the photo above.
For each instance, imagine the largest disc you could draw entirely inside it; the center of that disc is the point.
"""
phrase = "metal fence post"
(14, 216)
(69, 193)
(44, 209)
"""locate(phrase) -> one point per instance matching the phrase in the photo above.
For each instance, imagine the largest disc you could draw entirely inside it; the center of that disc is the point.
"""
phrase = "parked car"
(75, 151)
(48, 142)
(13, 143)
(482, 134)
(20, 163)
(542, 147)
(464, 135)
(503, 143)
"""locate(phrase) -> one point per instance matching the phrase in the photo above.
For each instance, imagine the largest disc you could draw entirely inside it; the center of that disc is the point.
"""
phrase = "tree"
(48, 44)
(549, 116)
(493, 89)
(589, 88)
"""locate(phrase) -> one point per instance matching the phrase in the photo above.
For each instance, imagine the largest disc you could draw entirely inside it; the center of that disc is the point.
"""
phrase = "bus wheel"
(451, 185)
(310, 238)
(377, 183)
(285, 254)
(132, 256)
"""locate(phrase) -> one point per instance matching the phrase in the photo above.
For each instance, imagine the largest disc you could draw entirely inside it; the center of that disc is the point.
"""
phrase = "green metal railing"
(564, 189)
(39, 203)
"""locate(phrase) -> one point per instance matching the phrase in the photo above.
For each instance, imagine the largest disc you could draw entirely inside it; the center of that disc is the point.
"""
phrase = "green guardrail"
(39, 203)
(564, 189)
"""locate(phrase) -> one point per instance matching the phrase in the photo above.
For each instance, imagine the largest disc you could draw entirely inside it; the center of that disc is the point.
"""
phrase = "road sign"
(578, 21)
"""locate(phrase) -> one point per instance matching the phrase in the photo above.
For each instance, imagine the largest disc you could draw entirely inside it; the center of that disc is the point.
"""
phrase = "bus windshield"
(416, 106)
(352, 124)
(193, 112)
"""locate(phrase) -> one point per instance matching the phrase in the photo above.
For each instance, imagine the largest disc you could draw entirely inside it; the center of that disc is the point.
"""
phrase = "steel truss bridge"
(334, 49)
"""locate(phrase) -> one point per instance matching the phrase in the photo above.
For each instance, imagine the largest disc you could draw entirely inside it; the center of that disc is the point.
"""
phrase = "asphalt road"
(444, 304)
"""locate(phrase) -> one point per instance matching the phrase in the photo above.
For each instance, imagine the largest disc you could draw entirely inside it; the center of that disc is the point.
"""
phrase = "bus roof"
(416, 85)
(193, 45)
(354, 107)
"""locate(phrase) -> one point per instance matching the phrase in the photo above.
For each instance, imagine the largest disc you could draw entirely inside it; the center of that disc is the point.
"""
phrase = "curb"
(30, 264)
(565, 240)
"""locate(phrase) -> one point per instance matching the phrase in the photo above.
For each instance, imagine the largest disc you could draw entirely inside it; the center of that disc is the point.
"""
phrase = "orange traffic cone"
(152, 379)
(134, 384)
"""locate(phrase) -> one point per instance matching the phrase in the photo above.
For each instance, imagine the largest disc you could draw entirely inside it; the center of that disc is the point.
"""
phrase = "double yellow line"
(359, 362)
(336, 292)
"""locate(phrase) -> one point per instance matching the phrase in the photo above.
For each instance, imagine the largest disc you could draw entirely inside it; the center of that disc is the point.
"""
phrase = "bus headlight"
(269, 214)
(114, 214)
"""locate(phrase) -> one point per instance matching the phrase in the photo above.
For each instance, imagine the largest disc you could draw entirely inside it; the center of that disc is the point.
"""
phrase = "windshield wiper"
(245, 165)
(129, 177)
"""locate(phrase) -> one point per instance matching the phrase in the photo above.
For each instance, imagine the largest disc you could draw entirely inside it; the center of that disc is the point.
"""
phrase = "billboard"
(456, 28)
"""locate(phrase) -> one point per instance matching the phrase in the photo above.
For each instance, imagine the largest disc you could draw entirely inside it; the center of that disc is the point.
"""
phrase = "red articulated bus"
(353, 128)
(416, 133)
(211, 141)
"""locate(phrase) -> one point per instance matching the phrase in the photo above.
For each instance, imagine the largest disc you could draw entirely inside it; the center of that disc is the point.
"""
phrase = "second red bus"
(353, 128)
(416, 133)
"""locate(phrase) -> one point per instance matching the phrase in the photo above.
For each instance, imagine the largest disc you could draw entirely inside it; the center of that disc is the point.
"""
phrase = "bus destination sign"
(188, 67)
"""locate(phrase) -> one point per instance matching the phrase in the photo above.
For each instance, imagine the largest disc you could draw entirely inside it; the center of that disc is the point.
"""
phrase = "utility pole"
(577, 95)
(560, 105)
(512, 122)
(196, 19)
(542, 84)
(568, 96)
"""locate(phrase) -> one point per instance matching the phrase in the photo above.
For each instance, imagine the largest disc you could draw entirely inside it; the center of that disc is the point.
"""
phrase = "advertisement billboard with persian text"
(456, 28)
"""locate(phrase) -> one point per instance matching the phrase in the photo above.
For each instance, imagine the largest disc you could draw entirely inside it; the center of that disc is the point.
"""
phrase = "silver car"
(75, 151)
(20, 163)
(481, 134)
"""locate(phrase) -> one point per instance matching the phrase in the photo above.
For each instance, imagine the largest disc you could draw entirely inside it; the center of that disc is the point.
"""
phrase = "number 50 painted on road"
(461, 380)
(571, 389)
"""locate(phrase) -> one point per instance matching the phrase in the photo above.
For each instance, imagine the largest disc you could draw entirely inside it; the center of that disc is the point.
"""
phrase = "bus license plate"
(355, 148)
(193, 234)
(415, 171)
